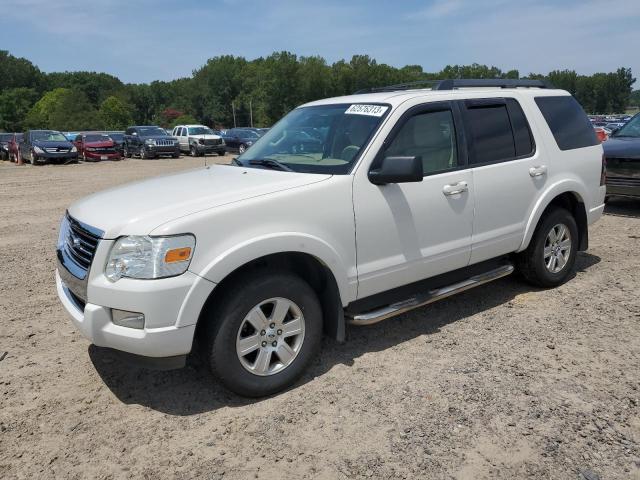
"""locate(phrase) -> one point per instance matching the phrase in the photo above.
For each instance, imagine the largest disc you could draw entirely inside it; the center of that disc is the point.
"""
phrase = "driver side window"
(430, 135)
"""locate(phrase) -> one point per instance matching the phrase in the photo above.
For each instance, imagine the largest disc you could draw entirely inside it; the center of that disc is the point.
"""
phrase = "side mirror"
(397, 170)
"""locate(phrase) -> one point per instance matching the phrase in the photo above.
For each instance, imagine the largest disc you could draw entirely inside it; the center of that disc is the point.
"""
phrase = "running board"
(421, 299)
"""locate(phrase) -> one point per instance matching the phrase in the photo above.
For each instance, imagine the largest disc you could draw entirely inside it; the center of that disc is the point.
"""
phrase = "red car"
(14, 146)
(96, 146)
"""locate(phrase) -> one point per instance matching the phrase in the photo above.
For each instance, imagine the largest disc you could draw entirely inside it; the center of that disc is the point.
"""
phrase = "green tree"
(114, 114)
(15, 103)
(18, 72)
(63, 109)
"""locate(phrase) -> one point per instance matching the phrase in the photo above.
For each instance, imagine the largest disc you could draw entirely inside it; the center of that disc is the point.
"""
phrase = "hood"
(140, 207)
(53, 144)
(622, 147)
(206, 136)
(101, 144)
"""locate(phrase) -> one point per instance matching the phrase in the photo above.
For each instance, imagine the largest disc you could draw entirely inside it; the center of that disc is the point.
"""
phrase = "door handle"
(538, 171)
(455, 188)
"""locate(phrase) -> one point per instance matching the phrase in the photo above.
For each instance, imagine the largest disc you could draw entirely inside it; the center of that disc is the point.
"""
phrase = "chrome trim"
(375, 316)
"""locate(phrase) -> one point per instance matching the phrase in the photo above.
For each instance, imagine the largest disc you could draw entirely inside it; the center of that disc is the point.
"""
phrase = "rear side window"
(569, 124)
(491, 134)
(498, 130)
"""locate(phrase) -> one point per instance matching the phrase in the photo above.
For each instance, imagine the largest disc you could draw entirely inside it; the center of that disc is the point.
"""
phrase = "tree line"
(260, 90)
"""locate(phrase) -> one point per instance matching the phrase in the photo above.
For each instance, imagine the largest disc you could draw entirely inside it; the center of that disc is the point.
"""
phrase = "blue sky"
(141, 41)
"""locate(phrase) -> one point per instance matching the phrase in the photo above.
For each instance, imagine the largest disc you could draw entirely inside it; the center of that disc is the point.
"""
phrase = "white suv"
(350, 209)
(198, 140)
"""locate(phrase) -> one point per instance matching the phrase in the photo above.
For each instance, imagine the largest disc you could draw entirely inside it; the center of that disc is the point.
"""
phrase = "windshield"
(200, 131)
(323, 139)
(49, 136)
(97, 138)
(117, 136)
(630, 129)
(5, 137)
(152, 132)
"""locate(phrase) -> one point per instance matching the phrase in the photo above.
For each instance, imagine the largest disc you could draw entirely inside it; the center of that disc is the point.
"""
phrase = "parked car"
(240, 139)
(42, 146)
(96, 146)
(622, 153)
(415, 195)
(4, 145)
(71, 136)
(198, 140)
(118, 141)
(13, 146)
(149, 142)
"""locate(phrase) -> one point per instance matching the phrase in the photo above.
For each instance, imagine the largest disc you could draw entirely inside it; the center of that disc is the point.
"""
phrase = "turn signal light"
(178, 255)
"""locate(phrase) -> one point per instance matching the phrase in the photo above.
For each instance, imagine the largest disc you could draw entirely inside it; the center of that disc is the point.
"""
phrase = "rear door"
(509, 173)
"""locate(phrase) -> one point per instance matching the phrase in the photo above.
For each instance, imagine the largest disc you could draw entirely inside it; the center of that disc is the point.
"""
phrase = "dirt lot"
(504, 381)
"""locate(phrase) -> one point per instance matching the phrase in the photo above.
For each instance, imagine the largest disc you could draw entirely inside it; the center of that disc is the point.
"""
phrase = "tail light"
(601, 134)
(603, 172)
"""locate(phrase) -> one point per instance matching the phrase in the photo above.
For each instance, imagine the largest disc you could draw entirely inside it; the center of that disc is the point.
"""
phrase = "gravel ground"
(504, 381)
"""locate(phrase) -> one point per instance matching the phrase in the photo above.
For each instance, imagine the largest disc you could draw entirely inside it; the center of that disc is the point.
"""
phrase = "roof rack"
(451, 84)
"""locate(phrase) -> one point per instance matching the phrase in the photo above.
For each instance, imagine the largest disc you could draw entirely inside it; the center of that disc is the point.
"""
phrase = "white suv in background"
(198, 140)
(350, 209)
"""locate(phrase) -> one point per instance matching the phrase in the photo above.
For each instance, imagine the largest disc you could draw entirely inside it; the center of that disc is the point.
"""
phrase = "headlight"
(149, 257)
(201, 141)
(150, 141)
(74, 149)
(37, 149)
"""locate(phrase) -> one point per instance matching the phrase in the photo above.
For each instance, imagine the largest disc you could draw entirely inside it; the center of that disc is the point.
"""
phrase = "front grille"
(164, 143)
(104, 150)
(79, 243)
(56, 150)
(623, 181)
(212, 141)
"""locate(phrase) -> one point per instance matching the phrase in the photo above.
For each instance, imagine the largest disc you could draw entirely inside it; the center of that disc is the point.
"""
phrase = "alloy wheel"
(557, 248)
(270, 336)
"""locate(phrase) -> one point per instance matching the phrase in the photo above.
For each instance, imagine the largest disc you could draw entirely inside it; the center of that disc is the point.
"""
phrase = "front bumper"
(57, 156)
(211, 149)
(161, 150)
(102, 156)
(94, 322)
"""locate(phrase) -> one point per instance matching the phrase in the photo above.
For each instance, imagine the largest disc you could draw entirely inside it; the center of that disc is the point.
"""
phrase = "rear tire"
(550, 257)
(227, 328)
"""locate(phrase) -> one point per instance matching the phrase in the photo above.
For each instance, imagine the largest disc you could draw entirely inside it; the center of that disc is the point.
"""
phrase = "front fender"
(569, 185)
(243, 253)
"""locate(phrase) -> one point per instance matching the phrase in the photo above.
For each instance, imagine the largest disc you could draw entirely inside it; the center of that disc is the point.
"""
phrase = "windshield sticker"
(371, 110)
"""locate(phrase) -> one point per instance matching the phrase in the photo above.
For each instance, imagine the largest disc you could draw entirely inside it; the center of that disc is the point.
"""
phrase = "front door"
(407, 232)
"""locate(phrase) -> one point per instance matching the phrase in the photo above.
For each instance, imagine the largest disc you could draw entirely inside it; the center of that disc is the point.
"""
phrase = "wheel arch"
(307, 266)
(569, 197)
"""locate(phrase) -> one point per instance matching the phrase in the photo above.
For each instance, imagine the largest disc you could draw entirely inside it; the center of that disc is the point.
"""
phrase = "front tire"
(551, 255)
(264, 333)
(127, 152)
(242, 148)
(193, 151)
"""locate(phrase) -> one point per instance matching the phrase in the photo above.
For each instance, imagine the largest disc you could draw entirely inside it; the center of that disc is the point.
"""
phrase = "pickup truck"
(198, 140)
(412, 195)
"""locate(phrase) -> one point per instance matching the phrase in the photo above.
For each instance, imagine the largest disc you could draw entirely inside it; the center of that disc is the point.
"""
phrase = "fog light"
(127, 319)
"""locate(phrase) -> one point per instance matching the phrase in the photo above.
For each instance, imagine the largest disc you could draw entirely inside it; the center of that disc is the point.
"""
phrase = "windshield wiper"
(270, 163)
